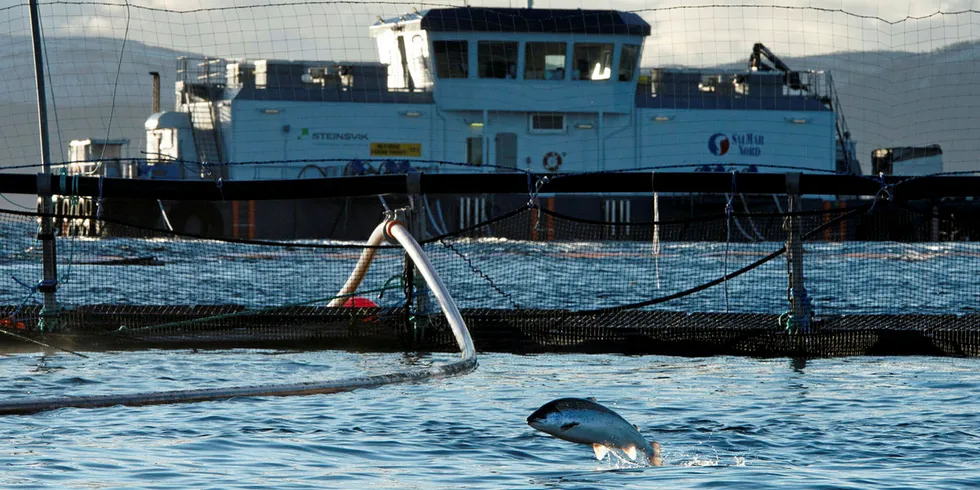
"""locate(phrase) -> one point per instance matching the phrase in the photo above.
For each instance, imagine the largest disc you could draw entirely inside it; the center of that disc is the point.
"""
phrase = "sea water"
(724, 422)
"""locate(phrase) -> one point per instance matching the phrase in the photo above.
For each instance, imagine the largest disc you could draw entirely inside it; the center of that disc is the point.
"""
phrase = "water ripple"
(723, 422)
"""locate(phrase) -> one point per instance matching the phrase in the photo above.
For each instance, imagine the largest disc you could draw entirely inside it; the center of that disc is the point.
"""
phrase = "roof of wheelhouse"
(523, 20)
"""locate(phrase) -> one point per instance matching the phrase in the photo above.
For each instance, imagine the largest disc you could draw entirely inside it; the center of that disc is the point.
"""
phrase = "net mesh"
(704, 273)
(903, 74)
(689, 287)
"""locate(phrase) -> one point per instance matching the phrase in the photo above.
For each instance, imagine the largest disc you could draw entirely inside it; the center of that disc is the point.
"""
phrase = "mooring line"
(42, 344)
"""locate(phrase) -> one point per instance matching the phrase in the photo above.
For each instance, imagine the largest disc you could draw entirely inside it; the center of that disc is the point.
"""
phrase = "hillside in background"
(896, 98)
(889, 98)
(81, 76)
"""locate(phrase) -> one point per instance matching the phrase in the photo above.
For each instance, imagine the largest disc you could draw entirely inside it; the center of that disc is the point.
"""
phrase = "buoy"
(359, 302)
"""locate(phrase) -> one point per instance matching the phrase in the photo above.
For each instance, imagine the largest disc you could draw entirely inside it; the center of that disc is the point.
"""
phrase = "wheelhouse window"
(547, 122)
(592, 61)
(627, 62)
(497, 59)
(544, 61)
(451, 59)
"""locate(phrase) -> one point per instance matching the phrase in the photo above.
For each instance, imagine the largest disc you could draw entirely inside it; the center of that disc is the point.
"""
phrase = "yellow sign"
(396, 149)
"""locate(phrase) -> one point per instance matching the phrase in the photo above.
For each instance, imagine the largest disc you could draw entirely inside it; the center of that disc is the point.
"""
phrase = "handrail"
(482, 183)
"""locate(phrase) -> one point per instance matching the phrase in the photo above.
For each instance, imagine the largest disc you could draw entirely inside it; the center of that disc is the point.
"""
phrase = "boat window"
(592, 61)
(452, 59)
(497, 59)
(547, 122)
(544, 61)
(627, 62)
(474, 150)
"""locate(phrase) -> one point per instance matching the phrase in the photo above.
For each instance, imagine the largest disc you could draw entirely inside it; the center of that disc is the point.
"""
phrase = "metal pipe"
(49, 284)
(42, 103)
(799, 301)
(394, 229)
(794, 253)
(155, 100)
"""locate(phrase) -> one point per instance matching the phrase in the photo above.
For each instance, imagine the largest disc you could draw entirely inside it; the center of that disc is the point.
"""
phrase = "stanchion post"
(799, 302)
(49, 283)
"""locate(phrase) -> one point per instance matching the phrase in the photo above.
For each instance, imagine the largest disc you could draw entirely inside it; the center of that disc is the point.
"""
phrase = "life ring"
(551, 161)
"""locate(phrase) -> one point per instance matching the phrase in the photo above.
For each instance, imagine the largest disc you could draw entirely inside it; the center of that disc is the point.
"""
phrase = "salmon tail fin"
(600, 451)
(630, 452)
(656, 459)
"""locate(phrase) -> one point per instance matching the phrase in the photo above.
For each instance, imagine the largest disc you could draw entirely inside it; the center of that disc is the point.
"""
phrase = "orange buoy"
(359, 302)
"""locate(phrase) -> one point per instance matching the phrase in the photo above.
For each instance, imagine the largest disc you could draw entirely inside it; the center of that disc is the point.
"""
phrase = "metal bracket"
(400, 215)
(44, 185)
(793, 183)
(48, 286)
(413, 183)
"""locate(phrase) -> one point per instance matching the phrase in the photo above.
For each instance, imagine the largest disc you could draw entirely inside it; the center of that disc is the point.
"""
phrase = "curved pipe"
(363, 263)
(396, 230)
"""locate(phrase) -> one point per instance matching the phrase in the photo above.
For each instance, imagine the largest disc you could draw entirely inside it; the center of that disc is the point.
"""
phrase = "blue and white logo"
(748, 144)
(718, 144)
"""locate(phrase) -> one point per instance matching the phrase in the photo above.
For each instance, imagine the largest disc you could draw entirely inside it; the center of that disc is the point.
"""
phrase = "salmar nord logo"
(742, 144)
(718, 144)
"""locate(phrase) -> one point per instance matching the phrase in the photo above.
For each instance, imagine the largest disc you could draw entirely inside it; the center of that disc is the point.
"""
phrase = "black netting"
(885, 277)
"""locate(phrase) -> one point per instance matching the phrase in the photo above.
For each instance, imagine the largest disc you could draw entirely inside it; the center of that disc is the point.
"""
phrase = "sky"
(684, 33)
(889, 99)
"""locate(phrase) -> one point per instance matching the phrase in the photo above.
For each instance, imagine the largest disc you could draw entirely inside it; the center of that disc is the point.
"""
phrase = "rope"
(745, 206)
(182, 323)
(479, 272)
(53, 100)
(15, 204)
(884, 192)
(12, 318)
(98, 203)
(72, 205)
(726, 277)
(533, 201)
(32, 291)
(465, 364)
(728, 236)
(42, 344)
(385, 286)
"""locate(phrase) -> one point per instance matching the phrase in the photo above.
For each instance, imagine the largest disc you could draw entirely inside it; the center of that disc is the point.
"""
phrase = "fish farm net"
(879, 277)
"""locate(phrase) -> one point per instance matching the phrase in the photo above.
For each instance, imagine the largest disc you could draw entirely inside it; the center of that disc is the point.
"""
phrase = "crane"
(756, 63)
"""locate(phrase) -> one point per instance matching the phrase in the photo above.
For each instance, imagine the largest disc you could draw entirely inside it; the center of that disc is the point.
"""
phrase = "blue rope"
(728, 236)
(884, 192)
(795, 325)
(531, 195)
(31, 289)
(533, 199)
(219, 183)
(98, 204)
